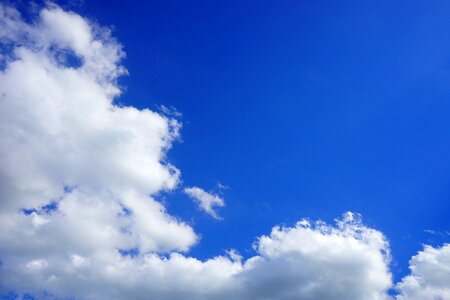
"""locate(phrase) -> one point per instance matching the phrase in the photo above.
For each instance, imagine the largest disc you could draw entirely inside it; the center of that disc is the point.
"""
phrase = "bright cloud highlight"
(430, 275)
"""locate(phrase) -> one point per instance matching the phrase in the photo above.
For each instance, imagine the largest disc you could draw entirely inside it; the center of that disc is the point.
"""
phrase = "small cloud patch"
(205, 201)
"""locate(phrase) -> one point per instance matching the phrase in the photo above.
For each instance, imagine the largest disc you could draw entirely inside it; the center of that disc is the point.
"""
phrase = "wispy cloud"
(205, 201)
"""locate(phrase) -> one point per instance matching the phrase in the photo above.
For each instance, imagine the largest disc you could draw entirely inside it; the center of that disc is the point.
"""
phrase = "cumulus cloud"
(205, 201)
(319, 261)
(430, 275)
(78, 179)
(311, 260)
(65, 142)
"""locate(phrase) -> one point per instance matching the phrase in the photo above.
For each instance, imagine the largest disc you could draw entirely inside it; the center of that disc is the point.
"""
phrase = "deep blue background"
(302, 108)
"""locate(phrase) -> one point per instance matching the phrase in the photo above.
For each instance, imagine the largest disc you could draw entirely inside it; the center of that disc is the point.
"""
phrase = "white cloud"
(36, 265)
(65, 142)
(318, 261)
(38, 220)
(430, 275)
(205, 201)
(307, 261)
(77, 260)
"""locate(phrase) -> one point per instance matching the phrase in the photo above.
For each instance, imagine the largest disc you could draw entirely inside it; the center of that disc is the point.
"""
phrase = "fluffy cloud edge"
(429, 276)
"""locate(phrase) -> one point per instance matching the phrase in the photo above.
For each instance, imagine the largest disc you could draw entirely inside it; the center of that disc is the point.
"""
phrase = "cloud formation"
(205, 201)
(65, 143)
(430, 275)
(78, 179)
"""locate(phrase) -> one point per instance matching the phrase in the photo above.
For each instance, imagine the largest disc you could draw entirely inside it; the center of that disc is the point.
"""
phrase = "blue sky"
(299, 109)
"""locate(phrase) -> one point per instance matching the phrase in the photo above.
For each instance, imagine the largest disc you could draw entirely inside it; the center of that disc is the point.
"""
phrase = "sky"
(225, 150)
